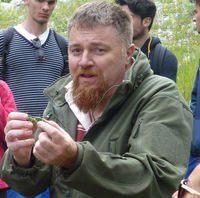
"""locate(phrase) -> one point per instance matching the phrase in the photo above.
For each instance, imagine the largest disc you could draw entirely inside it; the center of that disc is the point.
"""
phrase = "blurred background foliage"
(173, 24)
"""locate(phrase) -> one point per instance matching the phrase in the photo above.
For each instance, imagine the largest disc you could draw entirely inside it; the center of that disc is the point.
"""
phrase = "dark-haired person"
(190, 185)
(163, 62)
(34, 59)
(112, 128)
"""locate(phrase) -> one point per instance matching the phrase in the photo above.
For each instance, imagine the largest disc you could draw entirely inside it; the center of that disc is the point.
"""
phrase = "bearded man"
(111, 129)
(163, 62)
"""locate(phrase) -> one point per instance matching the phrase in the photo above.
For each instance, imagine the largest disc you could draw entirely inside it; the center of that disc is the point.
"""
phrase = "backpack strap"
(158, 57)
(63, 45)
(8, 35)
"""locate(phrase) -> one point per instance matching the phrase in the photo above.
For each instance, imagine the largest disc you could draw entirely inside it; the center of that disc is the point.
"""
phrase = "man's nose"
(85, 59)
(45, 5)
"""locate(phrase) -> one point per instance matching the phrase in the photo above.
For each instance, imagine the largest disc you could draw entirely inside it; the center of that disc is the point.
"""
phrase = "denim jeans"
(13, 194)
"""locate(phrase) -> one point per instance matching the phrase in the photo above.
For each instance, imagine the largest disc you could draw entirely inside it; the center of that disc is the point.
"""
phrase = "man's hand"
(19, 136)
(175, 195)
(55, 146)
(186, 195)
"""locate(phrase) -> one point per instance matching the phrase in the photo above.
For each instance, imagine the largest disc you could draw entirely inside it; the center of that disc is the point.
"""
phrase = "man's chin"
(87, 86)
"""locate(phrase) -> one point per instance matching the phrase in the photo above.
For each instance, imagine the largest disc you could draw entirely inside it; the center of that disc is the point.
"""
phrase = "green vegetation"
(173, 25)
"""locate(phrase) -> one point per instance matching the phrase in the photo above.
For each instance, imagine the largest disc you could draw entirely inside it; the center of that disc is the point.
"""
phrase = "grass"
(175, 27)
(173, 24)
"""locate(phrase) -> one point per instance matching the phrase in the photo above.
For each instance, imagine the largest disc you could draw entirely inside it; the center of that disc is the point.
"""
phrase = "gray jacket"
(138, 148)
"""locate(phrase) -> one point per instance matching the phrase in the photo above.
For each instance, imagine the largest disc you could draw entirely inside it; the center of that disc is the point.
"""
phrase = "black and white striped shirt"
(27, 76)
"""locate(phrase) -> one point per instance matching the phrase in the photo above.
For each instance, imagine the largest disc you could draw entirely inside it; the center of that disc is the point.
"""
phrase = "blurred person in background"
(34, 59)
(163, 62)
(190, 185)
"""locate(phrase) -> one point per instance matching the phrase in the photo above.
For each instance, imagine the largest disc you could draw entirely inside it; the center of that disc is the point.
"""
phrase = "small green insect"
(34, 120)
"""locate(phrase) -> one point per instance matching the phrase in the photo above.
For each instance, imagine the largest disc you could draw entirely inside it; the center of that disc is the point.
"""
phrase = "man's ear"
(130, 52)
(146, 22)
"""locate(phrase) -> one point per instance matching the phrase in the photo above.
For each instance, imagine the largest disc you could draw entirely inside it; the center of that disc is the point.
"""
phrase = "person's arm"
(7, 105)
(154, 162)
(1, 51)
(193, 161)
(170, 66)
(190, 188)
(194, 92)
(194, 179)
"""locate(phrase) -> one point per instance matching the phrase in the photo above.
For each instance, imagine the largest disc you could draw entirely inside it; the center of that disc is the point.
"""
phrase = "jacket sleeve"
(1, 51)
(153, 164)
(194, 92)
(194, 160)
(7, 105)
(170, 66)
(36, 178)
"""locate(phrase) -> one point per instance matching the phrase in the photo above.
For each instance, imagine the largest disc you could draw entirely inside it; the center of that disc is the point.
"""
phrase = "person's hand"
(193, 182)
(19, 136)
(194, 178)
(186, 195)
(54, 145)
(175, 195)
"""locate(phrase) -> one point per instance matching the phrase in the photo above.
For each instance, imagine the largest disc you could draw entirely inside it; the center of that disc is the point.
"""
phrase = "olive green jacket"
(138, 148)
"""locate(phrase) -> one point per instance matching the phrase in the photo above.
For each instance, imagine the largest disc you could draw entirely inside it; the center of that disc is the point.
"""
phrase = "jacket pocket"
(113, 143)
(136, 128)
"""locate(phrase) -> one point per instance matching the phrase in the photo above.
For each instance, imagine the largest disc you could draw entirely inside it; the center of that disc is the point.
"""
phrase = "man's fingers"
(21, 144)
(53, 130)
(17, 116)
(14, 135)
(52, 123)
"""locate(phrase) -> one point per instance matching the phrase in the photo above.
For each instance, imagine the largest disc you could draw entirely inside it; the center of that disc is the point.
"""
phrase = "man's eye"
(51, 2)
(100, 50)
(75, 51)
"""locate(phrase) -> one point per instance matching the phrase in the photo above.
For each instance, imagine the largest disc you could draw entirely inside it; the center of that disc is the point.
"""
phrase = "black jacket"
(167, 66)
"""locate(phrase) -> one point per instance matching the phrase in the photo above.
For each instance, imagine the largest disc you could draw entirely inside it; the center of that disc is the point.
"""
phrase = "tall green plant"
(175, 28)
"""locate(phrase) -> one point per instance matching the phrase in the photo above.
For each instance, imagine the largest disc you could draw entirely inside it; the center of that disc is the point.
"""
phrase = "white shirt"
(84, 118)
(29, 36)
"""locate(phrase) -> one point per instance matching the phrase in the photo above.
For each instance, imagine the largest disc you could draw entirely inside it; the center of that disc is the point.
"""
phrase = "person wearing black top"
(163, 62)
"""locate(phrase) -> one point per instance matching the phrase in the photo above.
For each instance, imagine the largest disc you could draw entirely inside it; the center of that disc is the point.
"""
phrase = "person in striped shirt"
(34, 61)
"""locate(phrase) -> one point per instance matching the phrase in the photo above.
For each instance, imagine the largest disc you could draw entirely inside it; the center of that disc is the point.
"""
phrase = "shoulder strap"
(158, 57)
(7, 34)
(63, 45)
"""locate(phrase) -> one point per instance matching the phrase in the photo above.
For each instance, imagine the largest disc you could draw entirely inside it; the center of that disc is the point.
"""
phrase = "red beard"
(88, 96)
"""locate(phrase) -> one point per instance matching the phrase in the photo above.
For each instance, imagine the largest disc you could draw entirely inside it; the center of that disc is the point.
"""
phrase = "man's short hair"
(96, 13)
(142, 8)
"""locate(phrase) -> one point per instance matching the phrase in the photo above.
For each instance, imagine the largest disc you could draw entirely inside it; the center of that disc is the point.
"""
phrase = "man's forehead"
(94, 34)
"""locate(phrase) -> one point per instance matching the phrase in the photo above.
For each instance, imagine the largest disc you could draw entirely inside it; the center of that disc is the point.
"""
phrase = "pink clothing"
(80, 132)
(7, 105)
